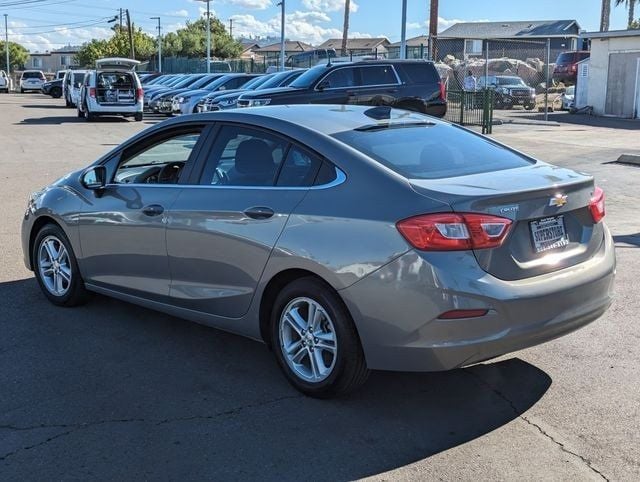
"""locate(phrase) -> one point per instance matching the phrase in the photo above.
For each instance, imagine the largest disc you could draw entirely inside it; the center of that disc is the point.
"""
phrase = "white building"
(614, 73)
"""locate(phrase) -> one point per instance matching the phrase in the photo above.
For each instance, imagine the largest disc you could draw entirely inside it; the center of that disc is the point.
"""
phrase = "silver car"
(346, 238)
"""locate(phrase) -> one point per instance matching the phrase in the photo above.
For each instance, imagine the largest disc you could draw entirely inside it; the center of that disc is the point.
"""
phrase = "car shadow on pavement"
(57, 120)
(47, 106)
(110, 391)
(633, 239)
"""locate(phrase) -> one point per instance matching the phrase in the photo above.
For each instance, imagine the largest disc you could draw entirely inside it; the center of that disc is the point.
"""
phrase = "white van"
(112, 89)
(5, 82)
(71, 84)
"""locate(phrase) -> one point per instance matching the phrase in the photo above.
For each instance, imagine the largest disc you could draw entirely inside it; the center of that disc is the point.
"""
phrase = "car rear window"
(32, 75)
(431, 152)
(417, 73)
(565, 58)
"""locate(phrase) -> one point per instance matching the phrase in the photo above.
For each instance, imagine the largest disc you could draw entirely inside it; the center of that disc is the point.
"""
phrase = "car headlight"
(259, 102)
(182, 100)
(504, 90)
(228, 102)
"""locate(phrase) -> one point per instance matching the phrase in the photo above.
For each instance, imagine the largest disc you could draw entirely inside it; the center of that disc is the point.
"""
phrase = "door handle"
(350, 93)
(259, 212)
(153, 210)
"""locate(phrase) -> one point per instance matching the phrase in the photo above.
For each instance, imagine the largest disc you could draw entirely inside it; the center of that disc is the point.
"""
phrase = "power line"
(61, 24)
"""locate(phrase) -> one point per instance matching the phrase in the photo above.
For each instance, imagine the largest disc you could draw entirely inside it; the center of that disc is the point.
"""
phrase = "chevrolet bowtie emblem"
(558, 200)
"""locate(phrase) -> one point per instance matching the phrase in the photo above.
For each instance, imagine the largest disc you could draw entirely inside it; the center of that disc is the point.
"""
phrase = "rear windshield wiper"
(394, 125)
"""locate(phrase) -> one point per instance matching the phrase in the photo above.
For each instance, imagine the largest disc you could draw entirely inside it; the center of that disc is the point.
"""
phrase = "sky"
(44, 25)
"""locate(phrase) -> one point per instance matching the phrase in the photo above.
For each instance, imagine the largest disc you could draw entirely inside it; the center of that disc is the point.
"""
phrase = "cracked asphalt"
(112, 391)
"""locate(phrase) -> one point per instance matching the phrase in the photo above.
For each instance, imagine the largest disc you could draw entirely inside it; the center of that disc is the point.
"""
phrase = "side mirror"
(94, 178)
(323, 85)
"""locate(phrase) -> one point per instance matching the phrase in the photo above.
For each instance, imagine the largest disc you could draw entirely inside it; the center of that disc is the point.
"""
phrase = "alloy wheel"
(308, 339)
(54, 266)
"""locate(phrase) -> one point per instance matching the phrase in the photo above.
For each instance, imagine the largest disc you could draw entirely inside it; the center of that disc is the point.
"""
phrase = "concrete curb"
(629, 159)
(526, 122)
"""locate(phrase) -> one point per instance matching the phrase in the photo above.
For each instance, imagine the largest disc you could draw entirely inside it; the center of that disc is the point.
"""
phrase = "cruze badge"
(558, 200)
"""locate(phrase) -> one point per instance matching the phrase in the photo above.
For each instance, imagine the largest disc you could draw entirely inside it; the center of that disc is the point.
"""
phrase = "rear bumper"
(114, 109)
(396, 309)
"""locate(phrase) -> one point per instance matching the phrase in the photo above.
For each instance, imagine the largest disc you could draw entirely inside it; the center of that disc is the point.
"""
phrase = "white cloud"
(178, 13)
(415, 25)
(329, 5)
(253, 4)
(304, 26)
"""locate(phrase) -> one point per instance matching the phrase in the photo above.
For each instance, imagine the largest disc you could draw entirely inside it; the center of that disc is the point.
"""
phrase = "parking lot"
(112, 391)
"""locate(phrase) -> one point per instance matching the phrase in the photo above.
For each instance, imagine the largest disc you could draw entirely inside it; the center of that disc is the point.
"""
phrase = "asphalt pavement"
(111, 391)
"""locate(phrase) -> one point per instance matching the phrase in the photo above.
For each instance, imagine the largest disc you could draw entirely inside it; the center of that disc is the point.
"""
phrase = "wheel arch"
(38, 224)
(274, 286)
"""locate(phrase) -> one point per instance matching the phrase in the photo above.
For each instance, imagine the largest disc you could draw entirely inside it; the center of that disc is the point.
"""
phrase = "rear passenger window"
(299, 169)
(378, 75)
(339, 78)
(243, 156)
(326, 174)
(417, 73)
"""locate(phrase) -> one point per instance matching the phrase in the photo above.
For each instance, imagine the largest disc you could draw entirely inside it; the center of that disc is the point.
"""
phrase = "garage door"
(621, 84)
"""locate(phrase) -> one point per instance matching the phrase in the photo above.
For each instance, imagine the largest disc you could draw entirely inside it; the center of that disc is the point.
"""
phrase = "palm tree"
(345, 29)
(605, 13)
(631, 7)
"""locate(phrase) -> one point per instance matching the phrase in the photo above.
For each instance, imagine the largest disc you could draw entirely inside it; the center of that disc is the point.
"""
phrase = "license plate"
(548, 233)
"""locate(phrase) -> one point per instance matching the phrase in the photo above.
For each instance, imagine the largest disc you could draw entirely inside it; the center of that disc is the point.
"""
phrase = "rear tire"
(81, 114)
(56, 268)
(21, 90)
(56, 93)
(315, 341)
(138, 117)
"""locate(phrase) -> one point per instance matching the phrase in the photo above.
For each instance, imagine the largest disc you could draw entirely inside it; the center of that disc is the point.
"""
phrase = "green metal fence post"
(462, 99)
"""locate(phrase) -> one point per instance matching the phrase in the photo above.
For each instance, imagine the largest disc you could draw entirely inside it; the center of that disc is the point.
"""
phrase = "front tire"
(315, 341)
(56, 93)
(56, 268)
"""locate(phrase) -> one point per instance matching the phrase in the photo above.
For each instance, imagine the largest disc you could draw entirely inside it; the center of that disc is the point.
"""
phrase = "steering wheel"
(170, 173)
(222, 177)
(148, 176)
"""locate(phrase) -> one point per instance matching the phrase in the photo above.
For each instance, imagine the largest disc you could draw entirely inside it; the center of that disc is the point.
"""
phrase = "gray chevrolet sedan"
(346, 238)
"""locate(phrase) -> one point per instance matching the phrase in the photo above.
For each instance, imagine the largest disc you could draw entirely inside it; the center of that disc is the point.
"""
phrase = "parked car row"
(411, 85)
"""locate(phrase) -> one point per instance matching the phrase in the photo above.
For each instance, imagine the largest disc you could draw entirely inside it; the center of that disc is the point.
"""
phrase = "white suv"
(112, 89)
(31, 80)
(5, 82)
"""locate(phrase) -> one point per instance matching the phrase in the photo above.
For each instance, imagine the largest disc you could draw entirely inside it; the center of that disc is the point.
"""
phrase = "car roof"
(324, 118)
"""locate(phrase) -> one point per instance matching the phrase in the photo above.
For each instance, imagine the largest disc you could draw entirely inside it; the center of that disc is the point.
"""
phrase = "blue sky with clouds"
(49, 24)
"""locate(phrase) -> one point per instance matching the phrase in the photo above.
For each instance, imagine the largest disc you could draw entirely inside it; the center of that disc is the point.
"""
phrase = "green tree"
(635, 25)
(117, 46)
(18, 56)
(191, 41)
(631, 7)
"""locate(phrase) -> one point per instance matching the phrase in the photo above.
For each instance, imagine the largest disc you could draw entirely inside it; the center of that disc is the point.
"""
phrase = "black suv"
(405, 84)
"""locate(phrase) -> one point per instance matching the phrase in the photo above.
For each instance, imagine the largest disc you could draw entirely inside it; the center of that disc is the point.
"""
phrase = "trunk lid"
(541, 200)
(116, 64)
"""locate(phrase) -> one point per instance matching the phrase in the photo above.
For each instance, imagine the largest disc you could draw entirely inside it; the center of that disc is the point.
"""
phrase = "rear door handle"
(259, 212)
(153, 210)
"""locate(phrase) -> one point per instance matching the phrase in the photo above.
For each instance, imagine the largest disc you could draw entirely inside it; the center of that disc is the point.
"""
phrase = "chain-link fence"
(517, 73)
(184, 65)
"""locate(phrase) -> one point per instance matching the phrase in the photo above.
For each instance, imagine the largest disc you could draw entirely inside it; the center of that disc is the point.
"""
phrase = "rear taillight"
(573, 68)
(596, 205)
(454, 232)
(92, 92)
(443, 90)
(140, 94)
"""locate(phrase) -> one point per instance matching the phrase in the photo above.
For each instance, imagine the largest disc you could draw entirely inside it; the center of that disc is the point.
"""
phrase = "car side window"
(160, 163)
(242, 156)
(339, 78)
(378, 75)
(299, 169)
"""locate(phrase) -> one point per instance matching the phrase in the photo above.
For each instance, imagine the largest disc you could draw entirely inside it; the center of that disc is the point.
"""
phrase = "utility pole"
(159, 43)
(282, 44)
(403, 31)
(120, 18)
(132, 53)
(433, 27)
(6, 44)
(231, 27)
(208, 36)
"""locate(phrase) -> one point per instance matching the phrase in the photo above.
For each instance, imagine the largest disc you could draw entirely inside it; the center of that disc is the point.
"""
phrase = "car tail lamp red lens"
(92, 92)
(459, 314)
(140, 94)
(443, 90)
(454, 232)
(596, 205)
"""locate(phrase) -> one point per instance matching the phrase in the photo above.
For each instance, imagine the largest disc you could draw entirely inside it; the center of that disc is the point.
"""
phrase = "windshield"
(257, 82)
(188, 81)
(432, 151)
(309, 77)
(276, 80)
(565, 58)
(203, 82)
(510, 81)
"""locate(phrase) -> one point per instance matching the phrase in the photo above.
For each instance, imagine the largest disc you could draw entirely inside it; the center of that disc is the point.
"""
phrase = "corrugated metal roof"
(355, 43)
(519, 29)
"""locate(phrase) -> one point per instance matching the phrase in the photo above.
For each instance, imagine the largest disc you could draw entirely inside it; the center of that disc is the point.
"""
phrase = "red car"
(566, 69)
